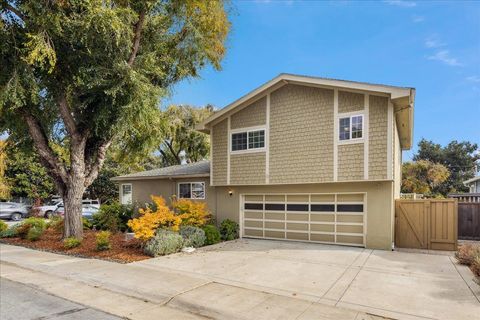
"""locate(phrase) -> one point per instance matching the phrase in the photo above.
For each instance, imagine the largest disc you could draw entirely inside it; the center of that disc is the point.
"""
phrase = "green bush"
(3, 226)
(71, 242)
(212, 235)
(229, 230)
(102, 240)
(192, 236)
(34, 233)
(113, 217)
(24, 227)
(164, 242)
(9, 233)
(87, 224)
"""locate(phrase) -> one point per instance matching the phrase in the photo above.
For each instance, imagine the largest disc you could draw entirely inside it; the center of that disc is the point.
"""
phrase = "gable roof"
(402, 97)
(190, 170)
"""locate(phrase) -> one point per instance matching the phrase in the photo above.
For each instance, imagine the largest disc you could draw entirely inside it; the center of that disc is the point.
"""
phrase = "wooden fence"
(426, 224)
(469, 220)
(466, 197)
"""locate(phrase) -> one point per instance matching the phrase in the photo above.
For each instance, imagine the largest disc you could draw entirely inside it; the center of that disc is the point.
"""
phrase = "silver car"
(13, 211)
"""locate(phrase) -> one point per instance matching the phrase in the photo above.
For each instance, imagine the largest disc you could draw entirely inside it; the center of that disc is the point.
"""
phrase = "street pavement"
(21, 302)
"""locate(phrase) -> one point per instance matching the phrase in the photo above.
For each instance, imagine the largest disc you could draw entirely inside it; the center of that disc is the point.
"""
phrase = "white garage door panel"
(337, 218)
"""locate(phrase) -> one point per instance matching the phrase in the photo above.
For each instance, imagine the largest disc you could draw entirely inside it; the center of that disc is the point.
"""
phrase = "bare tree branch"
(41, 143)
(136, 39)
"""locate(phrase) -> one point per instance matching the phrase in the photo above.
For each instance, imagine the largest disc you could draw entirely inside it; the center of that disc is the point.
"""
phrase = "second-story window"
(350, 128)
(248, 140)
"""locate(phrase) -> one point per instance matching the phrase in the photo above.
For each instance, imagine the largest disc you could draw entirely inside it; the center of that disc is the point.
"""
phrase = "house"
(299, 158)
(473, 184)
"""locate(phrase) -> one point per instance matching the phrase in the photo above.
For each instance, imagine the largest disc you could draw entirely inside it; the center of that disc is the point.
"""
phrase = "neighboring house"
(473, 184)
(300, 158)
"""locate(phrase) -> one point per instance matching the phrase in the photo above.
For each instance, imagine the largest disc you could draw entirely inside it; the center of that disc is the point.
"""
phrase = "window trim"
(350, 115)
(191, 187)
(121, 193)
(248, 130)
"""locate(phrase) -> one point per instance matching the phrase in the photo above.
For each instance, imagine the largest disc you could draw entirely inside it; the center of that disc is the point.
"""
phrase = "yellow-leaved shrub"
(193, 213)
(149, 221)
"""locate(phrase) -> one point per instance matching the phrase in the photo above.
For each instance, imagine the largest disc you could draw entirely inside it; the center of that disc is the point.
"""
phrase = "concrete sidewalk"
(134, 291)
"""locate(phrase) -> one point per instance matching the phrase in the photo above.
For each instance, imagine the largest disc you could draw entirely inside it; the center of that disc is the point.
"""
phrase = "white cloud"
(474, 79)
(418, 19)
(434, 42)
(400, 3)
(444, 56)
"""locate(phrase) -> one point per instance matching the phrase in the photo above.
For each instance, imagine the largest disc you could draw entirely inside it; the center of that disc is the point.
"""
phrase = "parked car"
(87, 211)
(49, 209)
(13, 211)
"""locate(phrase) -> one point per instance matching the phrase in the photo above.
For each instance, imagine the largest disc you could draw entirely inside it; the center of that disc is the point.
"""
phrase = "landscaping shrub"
(9, 233)
(3, 226)
(24, 227)
(466, 253)
(164, 242)
(113, 217)
(150, 220)
(34, 233)
(475, 266)
(56, 224)
(103, 240)
(229, 230)
(71, 242)
(193, 213)
(87, 224)
(212, 235)
(192, 236)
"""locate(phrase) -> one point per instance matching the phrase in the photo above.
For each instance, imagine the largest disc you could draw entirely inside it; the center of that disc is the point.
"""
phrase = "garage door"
(337, 218)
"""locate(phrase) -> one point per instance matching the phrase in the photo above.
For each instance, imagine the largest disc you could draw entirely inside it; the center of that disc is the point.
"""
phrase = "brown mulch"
(122, 251)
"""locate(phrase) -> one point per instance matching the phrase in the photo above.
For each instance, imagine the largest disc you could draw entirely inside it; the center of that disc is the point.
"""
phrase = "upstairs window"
(350, 128)
(248, 140)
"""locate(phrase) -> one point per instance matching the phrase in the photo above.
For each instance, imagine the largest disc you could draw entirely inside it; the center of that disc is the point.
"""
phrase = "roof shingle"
(200, 168)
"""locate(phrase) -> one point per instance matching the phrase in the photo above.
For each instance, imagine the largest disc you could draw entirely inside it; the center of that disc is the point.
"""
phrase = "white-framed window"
(350, 127)
(191, 190)
(245, 140)
(126, 196)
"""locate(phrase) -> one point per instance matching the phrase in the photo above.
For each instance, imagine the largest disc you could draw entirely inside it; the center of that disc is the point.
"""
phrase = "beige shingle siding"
(247, 168)
(253, 115)
(301, 135)
(378, 126)
(219, 153)
(350, 162)
(350, 101)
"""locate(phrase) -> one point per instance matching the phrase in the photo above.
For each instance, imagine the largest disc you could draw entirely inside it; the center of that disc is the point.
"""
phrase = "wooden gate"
(426, 224)
(469, 220)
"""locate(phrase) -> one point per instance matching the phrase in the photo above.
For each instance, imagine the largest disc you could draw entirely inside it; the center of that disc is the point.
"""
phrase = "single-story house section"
(473, 184)
(300, 159)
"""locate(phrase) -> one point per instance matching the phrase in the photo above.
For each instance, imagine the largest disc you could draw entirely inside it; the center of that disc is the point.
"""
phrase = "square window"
(239, 141)
(256, 139)
(350, 128)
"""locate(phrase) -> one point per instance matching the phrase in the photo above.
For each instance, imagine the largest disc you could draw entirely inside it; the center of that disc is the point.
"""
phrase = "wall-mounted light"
(230, 192)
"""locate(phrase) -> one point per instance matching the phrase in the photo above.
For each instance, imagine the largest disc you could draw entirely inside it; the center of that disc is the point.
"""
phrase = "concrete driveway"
(399, 285)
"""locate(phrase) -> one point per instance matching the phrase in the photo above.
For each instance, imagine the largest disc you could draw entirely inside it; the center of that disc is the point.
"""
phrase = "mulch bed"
(122, 251)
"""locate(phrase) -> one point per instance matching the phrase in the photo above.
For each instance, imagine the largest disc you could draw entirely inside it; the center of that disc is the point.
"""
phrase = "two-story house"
(299, 158)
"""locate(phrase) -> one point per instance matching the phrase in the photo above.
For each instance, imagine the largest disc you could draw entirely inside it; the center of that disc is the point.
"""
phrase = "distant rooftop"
(196, 169)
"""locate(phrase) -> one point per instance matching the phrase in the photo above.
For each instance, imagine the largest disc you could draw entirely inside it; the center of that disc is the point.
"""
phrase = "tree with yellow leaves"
(4, 188)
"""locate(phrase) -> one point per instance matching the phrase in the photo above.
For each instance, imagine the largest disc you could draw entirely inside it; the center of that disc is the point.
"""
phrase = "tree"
(86, 74)
(423, 177)
(4, 187)
(26, 176)
(460, 158)
(180, 140)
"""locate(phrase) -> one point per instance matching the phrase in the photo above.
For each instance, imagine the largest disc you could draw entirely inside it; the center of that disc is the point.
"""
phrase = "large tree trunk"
(72, 201)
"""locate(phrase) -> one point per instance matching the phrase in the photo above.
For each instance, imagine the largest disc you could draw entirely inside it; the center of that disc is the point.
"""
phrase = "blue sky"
(432, 46)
